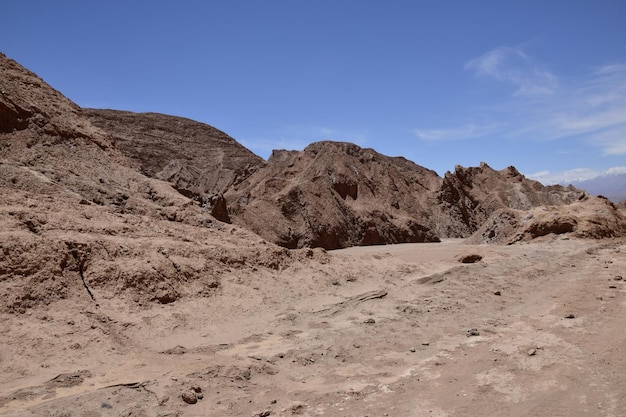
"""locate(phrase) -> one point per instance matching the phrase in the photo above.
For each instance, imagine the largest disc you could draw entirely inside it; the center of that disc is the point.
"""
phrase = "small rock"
(612, 287)
(189, 397)
(425, 344)
(470, 259)
(196, 388)
(200, 395)
(273, 402)
(265, 413)
(412, 349)
(570, 316)
(369, 321)
(618, 278)
(497, 293)
(473, 332)
(532, 352)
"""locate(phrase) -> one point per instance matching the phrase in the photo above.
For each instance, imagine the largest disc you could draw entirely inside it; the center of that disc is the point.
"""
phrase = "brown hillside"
(334, 195)
(78, 220)
(192, 155)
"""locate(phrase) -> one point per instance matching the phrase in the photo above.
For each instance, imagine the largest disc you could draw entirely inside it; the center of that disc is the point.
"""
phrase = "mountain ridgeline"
(329, 195)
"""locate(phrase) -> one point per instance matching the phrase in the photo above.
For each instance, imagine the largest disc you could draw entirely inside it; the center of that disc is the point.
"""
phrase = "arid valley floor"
(532, 329)
(152, 266)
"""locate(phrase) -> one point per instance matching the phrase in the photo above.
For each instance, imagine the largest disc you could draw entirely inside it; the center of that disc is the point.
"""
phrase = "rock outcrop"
(588, 218)
(334, 195)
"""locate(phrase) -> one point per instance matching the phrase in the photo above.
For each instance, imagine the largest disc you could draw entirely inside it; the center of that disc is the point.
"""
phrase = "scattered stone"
(470, 259)
(612, 286)
(497, 293)
(413, 349)
(176, 350)
(189, 397)
(369, 321)
(532, 351)
(273, 402)
(265, 413)
(570, 316)
(473, 332)
(425, 344)
(618, 278)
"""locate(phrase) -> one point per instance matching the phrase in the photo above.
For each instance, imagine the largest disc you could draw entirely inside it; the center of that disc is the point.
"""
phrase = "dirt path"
(401, 330)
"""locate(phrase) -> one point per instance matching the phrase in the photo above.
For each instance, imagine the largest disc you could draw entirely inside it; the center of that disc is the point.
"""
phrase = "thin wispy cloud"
(574, 175)
(512, 65)
(544, 106)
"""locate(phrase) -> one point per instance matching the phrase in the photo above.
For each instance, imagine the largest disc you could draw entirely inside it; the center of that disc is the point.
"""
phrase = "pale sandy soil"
(376, 331)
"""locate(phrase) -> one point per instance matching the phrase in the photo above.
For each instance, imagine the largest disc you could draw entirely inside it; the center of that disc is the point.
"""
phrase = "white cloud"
(574, 175)
(512, 65)
(590, 108)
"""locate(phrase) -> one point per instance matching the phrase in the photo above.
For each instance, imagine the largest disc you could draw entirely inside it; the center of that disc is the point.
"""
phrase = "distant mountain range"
(612, 187)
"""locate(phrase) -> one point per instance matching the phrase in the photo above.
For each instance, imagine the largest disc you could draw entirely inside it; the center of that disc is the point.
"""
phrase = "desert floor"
(532, 329)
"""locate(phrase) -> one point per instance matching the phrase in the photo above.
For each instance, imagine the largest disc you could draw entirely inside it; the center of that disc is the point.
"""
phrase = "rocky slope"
(588, 218)
(335, 195)
(329, 195)
(200, 161)
(338, 195)
(468, 196)
(78, 220)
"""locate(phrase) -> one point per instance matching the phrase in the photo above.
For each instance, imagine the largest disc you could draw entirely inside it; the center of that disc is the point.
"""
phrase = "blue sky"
(540, 85)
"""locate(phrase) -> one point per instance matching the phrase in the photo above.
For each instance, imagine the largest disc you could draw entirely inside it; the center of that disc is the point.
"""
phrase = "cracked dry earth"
(530, 330)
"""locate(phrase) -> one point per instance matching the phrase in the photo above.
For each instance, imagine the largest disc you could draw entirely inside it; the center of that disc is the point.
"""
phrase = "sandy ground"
(530, 330)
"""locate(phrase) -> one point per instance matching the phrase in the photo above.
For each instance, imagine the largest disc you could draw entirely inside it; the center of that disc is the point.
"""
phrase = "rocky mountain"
(329, 195)
(337, 195)
(192, 155)
(78, 218)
